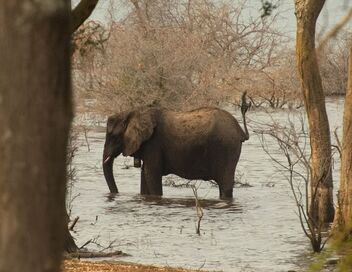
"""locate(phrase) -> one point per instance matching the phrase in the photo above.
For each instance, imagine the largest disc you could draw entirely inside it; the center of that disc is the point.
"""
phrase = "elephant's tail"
(244, 107)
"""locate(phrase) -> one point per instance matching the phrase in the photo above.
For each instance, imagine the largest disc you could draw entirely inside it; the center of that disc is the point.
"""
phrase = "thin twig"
(198, 208)
(289, 142)
(86, 138)
(74, 222)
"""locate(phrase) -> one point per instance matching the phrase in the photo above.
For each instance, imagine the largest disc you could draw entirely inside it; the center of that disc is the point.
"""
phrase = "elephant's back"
(200, 124)
(228, 127)
(190, 125)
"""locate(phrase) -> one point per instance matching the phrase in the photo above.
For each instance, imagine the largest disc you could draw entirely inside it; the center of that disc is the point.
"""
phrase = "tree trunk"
(321, 209)
(69, 243)
(35, 116)
(80, 13)
(345, 203)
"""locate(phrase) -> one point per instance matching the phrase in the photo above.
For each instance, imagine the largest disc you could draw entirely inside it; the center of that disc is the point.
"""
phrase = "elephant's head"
(125, 133)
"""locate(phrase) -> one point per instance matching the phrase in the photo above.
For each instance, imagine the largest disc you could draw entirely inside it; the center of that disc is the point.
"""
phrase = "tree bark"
(321, 209)
(345, 202)
(69, 242)
(35, 116)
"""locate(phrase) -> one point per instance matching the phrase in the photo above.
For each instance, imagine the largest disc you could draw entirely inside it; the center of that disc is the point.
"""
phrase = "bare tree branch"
(333, 32)
(198, 208)
(292, 143)
(81, 12)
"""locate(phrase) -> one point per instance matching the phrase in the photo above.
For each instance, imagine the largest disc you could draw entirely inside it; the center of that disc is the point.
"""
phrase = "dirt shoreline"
(104, 266)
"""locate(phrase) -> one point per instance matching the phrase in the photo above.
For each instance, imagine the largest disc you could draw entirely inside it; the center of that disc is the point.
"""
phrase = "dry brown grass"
(84, 266)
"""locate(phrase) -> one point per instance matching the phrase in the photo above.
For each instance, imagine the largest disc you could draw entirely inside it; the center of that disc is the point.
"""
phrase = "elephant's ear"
(139, 129)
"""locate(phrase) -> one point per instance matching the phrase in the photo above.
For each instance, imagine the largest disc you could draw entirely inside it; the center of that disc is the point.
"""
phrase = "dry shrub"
(180, 55)
(334, 64)
(277, 86)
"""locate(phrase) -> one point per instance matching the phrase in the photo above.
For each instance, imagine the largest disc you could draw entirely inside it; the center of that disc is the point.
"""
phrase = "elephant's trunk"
(108, 173)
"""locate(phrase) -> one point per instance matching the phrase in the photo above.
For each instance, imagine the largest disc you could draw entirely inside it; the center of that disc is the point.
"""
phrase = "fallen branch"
(89, 254)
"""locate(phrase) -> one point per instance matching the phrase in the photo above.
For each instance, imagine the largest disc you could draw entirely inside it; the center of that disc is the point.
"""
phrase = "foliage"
(91, 36)
(182, 54)
(342, 244)
(267, 8)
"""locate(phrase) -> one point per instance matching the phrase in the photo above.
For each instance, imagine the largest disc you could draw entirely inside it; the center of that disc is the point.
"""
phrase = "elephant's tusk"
(107, 159)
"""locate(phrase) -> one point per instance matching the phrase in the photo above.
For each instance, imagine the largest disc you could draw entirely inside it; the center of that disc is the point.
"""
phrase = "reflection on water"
(168, 203)
(257, 231)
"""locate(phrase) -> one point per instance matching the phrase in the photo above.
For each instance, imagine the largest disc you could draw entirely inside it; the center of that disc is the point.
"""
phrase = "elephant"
(204, 144)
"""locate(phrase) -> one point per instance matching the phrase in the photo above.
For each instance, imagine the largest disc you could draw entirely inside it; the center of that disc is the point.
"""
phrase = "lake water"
(258, 231)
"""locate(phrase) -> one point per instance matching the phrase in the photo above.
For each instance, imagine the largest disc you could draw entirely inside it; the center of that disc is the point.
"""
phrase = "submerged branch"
(198, 209)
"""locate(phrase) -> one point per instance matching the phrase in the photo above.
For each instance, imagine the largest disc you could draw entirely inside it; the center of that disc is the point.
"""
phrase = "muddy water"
(258, 231)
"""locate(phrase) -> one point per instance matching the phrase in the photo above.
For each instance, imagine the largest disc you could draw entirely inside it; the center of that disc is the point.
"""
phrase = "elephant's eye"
(109, 129)
(110, 125)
